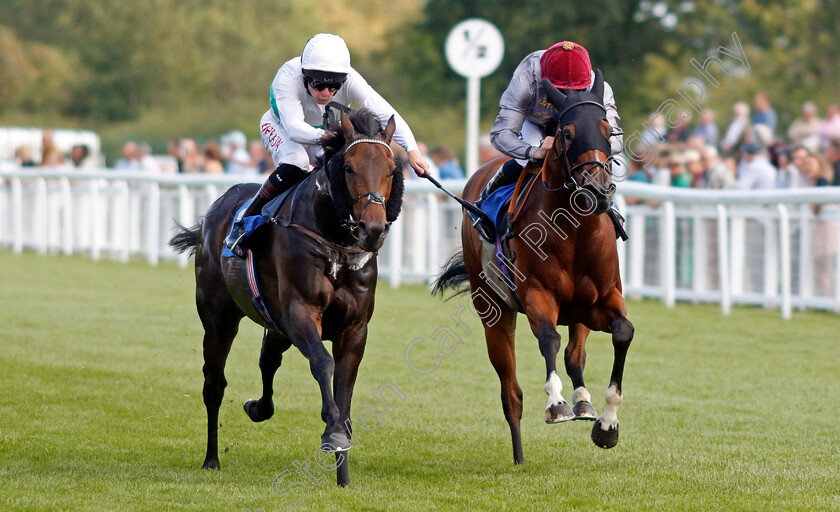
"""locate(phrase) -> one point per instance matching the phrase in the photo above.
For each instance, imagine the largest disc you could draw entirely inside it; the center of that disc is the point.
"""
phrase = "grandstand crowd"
(751, 152)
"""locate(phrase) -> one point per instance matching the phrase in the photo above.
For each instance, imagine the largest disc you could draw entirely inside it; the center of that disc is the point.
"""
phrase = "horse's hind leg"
(271, 355)
(575, 358)
(220, 327)
(605, 429)
(500, 347)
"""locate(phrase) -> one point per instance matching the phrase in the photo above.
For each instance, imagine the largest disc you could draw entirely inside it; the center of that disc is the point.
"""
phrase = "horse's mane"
(366, 123)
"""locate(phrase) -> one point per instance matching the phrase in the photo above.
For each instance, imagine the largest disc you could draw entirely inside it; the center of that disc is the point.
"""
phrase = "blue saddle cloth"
(495, 206)
(253, 222)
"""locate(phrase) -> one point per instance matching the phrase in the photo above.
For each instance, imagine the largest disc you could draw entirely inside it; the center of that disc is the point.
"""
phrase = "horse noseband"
(353, 224)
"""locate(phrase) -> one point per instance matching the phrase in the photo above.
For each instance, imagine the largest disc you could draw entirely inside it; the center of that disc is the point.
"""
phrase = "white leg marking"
(610, 417)
(554, 388)
(581, 395)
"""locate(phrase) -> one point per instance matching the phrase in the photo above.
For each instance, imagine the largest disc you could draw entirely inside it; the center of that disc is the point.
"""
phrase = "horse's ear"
(347, 127)
(598, 85)
(389, 129)
(554, 96)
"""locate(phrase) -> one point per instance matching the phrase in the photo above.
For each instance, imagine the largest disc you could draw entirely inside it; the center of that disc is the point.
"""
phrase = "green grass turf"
(101, 408)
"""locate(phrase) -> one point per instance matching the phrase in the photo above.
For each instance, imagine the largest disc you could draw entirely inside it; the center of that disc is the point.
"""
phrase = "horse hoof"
(252, 409)
(584, 411)
(212, 465)
(558, 413)
(604, 438)
(336, 442)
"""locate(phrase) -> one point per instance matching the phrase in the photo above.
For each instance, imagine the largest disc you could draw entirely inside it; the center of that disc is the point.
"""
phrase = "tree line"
(123, 66)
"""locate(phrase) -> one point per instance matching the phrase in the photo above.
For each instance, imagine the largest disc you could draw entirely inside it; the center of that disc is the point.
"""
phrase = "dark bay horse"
(317, 271)
(565, 270)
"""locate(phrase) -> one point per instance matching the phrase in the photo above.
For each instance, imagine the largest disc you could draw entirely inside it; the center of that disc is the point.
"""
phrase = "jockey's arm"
(617, 137)
(360, 92)
(289, 109)
(514, 105)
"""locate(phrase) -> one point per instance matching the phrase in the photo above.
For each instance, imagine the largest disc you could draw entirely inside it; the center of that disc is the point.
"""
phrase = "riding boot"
(282, 179)
(618, 221)
(506, 175)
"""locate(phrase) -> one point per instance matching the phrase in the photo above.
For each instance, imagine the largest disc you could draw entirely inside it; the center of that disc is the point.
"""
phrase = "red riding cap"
(567, 66)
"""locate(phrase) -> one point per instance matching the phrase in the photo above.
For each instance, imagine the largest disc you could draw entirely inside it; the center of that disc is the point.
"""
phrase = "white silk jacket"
(302, 117)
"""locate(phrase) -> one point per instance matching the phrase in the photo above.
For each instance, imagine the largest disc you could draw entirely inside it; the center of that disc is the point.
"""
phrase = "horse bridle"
(571, 183)
(373, 197)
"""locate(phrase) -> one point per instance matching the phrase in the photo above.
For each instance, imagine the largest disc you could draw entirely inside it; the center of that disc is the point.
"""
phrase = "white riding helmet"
(325, 58)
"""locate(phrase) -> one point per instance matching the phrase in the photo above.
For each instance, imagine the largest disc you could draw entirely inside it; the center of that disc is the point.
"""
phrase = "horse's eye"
(567, 134)
(348, 169)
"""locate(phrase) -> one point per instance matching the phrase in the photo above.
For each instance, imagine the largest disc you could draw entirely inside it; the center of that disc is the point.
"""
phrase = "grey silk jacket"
(525, 99)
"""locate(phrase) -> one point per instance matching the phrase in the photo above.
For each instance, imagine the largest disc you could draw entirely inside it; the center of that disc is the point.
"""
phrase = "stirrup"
(235, 244)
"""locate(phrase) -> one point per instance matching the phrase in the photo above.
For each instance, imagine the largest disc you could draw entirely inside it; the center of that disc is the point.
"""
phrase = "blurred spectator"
(738, 128)
(824, 235)
(718, 174)
(787, 174)
(486, 151)
(238, 159)
(80, 157)
(424, 152)
(212, 158)
(654, 131)
(637, 171)
(259, 157)
(676, 166)
(797, 158)
(805, 129)
(694, 168)
(707, 129)
(833, 156)
(23, 156)
(51, 155)
(756, 171)
(189, 156)
(130, 160)
(173, 149)
(830, 128)
(760, 133)
(764, 113)
(680, 132)
(147, 161)
(447, 163)
(660, 171)
(817, 172)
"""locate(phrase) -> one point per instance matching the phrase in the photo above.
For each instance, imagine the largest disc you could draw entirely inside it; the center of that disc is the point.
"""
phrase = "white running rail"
(773, 248)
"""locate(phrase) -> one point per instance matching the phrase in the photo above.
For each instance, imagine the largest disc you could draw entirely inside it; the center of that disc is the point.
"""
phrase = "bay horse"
(316, 267)
(565, 270)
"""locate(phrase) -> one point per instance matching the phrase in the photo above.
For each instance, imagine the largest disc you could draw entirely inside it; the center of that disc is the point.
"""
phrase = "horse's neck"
(563, 222)
(321, 216)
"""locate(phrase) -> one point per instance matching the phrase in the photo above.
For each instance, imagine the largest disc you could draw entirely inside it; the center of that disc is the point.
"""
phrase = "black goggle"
(320, 86)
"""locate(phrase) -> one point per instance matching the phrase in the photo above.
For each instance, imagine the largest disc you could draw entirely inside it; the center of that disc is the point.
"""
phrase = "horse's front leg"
(305, 332)
(575, 359)
(605, 429)
(348, 352)
(542, 315)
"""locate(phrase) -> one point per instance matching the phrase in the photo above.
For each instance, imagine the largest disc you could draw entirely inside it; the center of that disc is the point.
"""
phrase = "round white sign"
(474, 48)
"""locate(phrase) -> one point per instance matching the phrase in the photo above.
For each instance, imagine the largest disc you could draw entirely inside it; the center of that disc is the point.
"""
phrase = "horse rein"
(373, 197)
(571, 183)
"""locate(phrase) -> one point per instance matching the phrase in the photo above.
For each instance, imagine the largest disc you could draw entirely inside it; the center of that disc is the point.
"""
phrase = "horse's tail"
(454, 276)
(186, 239)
